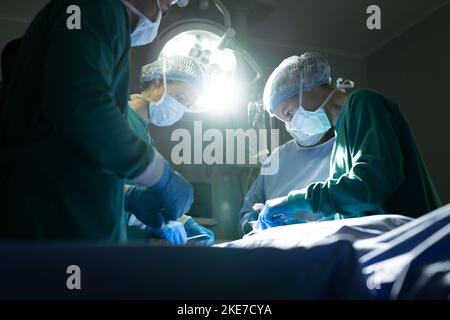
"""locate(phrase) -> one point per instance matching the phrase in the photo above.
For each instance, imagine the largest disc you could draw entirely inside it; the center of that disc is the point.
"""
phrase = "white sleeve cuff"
(153, 172)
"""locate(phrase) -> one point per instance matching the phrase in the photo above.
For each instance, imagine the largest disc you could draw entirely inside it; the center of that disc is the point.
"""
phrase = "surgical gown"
(376, 166)
(66, 146)
(297, 168)
(139, 126)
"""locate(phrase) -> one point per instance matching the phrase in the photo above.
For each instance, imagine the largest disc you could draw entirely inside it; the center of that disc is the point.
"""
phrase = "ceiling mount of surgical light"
(217, 52)
(228, 41)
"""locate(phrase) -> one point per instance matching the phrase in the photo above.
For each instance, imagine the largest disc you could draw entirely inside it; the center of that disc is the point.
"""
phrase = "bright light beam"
(223, 92)
(221, 95)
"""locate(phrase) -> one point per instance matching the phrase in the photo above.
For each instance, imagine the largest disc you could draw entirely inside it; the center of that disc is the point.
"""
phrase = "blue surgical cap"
(311, 69)
(178, 68)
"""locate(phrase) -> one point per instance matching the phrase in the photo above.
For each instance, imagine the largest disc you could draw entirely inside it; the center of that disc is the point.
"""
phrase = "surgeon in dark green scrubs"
(66, 146)
(170, 87)
(376, 166)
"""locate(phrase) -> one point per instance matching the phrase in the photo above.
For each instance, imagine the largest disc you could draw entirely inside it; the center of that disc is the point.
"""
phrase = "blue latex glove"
(274, 214)
(145, 205)
(173, 232)
(175, 193)
(194, 229)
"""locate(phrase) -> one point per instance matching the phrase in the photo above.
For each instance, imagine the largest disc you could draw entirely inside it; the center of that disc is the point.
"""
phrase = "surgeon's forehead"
(288, 103)
(186, 88)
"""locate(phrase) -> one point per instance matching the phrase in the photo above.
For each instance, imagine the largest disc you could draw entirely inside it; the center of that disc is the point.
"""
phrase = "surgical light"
(222, 90)
(221, 94)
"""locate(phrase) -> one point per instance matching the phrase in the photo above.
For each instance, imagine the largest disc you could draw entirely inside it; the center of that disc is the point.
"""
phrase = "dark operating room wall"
(414, 71)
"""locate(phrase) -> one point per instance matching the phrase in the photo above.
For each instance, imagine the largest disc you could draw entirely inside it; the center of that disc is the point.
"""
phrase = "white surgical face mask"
(146, 30)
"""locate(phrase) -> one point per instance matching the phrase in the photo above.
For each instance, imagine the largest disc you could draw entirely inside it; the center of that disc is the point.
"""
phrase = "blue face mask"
(146, 30)
(309, 124)
(304, 139)
(167, 110)
(308, 127)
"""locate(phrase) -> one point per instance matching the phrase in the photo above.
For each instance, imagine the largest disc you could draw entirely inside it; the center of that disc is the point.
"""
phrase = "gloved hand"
(277, 213)
(175, 193)
(173, 232)
(194, 229)
(274, 213)
(145, 205)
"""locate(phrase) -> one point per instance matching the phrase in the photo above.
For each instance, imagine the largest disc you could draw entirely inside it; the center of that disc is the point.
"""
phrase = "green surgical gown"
(140, 128)
(376, 166)
(66, 145)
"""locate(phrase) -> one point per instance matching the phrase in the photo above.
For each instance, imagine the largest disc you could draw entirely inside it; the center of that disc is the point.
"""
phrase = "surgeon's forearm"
(349, 196)
(104, 137)
(296, 201)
